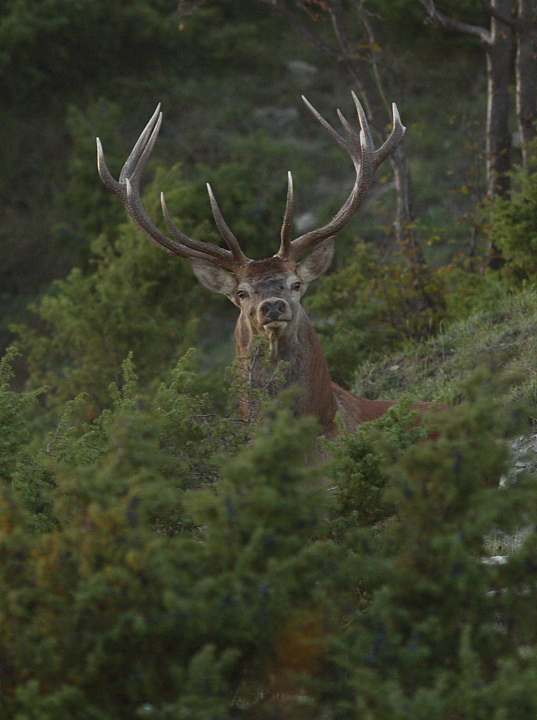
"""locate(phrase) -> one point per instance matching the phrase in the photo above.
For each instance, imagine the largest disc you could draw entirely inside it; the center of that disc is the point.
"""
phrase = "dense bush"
(53, 43)
(153, 565)
(88, 323)
(56, 44)
(514, 230)
(372, 305)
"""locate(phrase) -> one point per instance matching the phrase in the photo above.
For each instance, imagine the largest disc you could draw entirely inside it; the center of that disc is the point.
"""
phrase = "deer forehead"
(269, 284)
(256, 269)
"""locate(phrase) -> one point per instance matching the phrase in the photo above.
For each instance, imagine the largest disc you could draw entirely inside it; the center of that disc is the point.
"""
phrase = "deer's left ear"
(317, 262)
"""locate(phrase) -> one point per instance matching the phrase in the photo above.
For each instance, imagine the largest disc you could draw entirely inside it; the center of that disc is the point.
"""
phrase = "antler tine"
(337, 137)
(128, 190)
(225, 232)
(362, 157)
(144, 146)
(106, 175)
(394, 138)
(119, 188)
(365, 132)
(365, 160)
(220, 254)
(137, 212)
(287, 225)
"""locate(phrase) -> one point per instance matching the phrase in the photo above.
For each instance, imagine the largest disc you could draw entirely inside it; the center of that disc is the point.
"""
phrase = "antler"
(128, 191)
(360, 148)
(366, 161)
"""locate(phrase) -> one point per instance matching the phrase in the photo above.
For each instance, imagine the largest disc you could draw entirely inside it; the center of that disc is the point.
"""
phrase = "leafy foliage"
(514, 229)
(90, 323)
(433, 641)
(372, 305)
(57, 43)
(361, 471)
(87, 207)
(156, 592)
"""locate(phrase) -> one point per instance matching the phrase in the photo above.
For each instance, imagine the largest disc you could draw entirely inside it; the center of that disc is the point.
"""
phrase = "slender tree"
(526, 74)
(497, 41)
(524, 25)
(355, 48)
(352, 46)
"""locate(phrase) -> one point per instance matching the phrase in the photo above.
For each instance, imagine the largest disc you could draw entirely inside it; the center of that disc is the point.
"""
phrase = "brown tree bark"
(526, 75)
(525, 27)
(498, 45)
(499, 73)
(365, 71)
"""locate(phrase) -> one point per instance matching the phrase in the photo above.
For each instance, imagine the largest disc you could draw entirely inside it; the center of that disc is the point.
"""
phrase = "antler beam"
(366, 161)
(127, 188)
(360, 148)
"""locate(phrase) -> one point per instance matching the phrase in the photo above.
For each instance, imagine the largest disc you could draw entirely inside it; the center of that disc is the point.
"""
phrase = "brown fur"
(309, 370)
(257, 289)
(258, 268)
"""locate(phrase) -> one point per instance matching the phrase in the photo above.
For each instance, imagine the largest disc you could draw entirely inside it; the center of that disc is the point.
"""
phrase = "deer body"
(268, 292)
(270, 289)
(296, 349)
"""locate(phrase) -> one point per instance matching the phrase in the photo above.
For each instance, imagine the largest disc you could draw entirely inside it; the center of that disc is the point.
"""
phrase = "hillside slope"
(500, 339)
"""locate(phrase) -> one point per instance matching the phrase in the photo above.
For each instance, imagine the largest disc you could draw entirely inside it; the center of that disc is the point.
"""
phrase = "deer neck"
(297, 359)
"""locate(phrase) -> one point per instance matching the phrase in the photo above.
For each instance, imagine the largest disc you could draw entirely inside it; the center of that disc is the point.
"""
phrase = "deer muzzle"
(274, 314)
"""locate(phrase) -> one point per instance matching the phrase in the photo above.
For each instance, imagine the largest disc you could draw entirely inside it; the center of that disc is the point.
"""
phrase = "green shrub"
(134, 298)
(149, 596)
(54, 44)
(437, 639)
(361, 469)
(186, 573)
(373, 305)
(514, 230)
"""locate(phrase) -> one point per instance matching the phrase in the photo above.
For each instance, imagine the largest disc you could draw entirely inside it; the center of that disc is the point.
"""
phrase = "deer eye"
(242, 294)
(296, 286)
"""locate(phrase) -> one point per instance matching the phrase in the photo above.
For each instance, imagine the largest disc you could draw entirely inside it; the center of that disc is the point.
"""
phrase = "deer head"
(268, 292)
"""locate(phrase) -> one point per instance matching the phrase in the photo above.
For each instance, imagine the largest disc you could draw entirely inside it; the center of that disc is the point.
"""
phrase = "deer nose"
(272, 310)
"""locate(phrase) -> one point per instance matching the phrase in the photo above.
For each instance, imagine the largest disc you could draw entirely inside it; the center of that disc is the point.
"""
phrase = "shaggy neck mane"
(304, 365)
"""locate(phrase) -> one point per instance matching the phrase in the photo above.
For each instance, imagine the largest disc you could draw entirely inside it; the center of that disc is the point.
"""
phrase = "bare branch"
(482, 33)
(299, 26)
(507, 20)
(364, 19)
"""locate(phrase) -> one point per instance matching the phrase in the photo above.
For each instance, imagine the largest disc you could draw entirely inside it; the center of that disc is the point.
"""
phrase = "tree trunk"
(364, 69)
(498, 45)
(499, 70)
(379, 117)
(406, 213)
(526, 74)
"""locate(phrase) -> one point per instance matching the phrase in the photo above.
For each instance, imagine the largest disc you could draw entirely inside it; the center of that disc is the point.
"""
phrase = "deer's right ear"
(317, 262)
(213, 277)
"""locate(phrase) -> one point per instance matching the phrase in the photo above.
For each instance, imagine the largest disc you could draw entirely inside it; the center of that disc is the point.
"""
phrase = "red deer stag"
(269, 292)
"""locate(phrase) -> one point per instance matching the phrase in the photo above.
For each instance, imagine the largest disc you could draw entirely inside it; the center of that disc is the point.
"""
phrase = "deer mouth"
(272, 324)
(275, 327)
